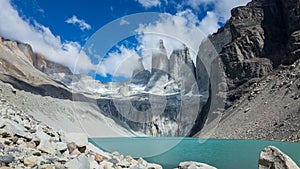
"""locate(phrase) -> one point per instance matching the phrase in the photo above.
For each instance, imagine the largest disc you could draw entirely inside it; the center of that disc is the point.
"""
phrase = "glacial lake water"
(221, 153)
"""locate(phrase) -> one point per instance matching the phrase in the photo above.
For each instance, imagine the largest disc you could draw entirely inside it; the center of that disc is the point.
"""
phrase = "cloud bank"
(15, 27)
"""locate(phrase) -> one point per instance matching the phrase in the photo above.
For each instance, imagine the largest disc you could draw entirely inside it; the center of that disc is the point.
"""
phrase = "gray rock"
(138, 166)
(71, 147)
(7, 159)
(194, 165)
(80, 162)
(45, 144)
(107, 165)
(30, 161)
(272, 157)
(154, 166)
(142, 161)
(94, 165)
(61, 146)
(123, 163)
(13, 127)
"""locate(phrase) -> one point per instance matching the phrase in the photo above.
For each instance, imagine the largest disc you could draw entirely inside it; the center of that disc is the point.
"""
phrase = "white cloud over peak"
(178, 30)
(149, 3)
(40, 37)
(80, 22)
(120, 63)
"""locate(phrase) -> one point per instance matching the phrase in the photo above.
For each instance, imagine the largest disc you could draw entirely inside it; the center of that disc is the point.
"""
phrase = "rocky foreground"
(28, 143)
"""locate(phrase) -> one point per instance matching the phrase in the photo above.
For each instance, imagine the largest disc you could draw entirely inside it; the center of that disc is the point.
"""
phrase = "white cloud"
(149, 3)
(80, 22)
(174, 30)
(121, 63)
(40, 37)
(209, 24)
(221, 9)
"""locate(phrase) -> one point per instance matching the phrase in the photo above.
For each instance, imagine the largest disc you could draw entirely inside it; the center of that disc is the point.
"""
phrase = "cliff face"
(257, 41)
(264, 34)
(169, 101)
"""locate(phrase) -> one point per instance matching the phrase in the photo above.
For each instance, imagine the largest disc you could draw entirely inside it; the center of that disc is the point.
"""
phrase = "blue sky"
(96, 13)
(59, 29)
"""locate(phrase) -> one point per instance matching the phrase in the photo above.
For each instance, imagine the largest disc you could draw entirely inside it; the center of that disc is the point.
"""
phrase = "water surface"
(221, 153)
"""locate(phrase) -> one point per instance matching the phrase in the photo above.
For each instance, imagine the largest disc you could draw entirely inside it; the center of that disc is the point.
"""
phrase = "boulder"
(45, 144)
(98, 158)
(7, 159)
(13, 127)
(80, 162)
(154, 166)
(194, 165)
(272, 157)
(30, 161)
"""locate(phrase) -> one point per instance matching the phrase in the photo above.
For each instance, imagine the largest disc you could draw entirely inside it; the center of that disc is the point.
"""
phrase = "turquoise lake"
(221, 153)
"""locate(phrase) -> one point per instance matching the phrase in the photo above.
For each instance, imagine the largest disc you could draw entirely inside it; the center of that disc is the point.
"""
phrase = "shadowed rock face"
(256, 39)
(264, 34)
(259, 51)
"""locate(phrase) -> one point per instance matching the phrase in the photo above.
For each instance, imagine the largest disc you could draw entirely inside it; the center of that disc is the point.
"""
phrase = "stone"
(131, 160)
(154, 166)
(71, 147)
(194, 165)
(94, 165)
(7, 159)
(98, 158)
(107, 165)
(47, 166)
(45, 144)
(75, 152)
(13, 127)
(123, 164)
(61, 146)
(47, 147)
(30, 145)
(142, 161)
(80, 162)
(95, 149)
(272, 157)
(138, 166)
(30, 161)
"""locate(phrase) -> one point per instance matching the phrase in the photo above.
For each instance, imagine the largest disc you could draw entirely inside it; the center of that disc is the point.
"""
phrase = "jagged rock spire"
(161, 46)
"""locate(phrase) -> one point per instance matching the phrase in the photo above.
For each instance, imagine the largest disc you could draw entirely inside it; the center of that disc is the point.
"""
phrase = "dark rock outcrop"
(259, 52)
(264, 35)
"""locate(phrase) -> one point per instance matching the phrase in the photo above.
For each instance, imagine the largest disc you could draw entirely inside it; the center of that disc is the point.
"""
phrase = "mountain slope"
(30, 82)
(262, 98)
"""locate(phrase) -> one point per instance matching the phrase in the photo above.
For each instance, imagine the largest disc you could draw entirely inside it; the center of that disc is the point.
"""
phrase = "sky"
(107, 38)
